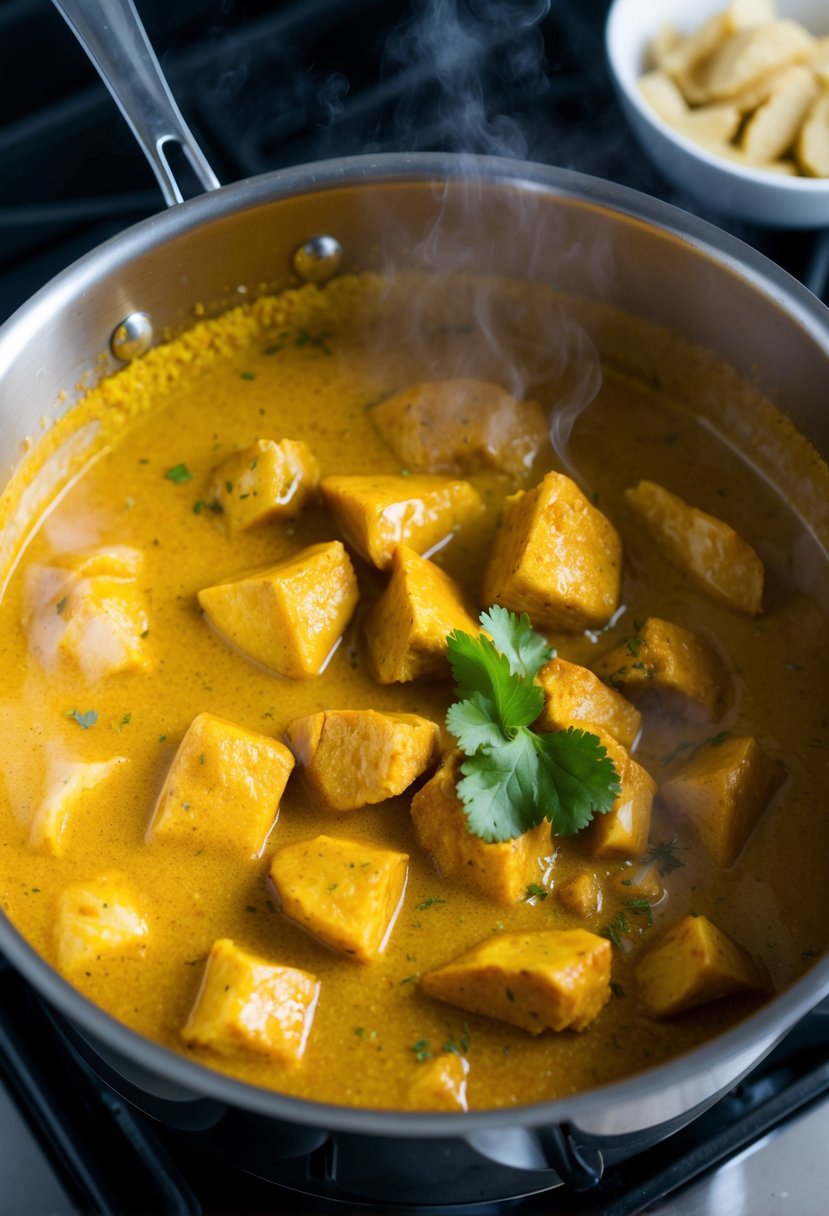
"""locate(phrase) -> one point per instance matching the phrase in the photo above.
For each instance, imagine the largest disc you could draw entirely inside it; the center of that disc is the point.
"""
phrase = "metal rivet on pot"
(133, 337)
(318, 259)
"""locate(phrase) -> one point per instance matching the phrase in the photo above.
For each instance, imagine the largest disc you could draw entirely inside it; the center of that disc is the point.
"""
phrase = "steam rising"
(465, 45)
(457, 41)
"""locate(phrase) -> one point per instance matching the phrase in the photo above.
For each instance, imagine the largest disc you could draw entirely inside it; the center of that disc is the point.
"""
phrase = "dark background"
(265, 84)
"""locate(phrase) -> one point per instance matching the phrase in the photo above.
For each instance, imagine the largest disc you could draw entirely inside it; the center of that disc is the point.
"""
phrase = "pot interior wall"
(220, 250)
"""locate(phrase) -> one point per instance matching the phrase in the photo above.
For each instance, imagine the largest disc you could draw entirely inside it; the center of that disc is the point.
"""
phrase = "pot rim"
(252, 192)
(760, 1030)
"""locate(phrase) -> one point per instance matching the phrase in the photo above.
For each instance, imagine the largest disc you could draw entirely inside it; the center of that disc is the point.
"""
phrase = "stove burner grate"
(114, 1161)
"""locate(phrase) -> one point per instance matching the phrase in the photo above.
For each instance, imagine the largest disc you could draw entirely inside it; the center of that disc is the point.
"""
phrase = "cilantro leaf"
(525, 650)
(582, 773)
(513, 778)
(471, 723)
(535, 890)
(511, 701)
(179, 473)
(499, 790)
(84, 720)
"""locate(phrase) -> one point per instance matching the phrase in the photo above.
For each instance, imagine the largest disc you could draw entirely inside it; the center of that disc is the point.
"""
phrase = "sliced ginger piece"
(813, 142)
(664, 96)
(742, 14)
(667, 40)
(749, 54)
(774, 126)
(703, 124)
(819, 63)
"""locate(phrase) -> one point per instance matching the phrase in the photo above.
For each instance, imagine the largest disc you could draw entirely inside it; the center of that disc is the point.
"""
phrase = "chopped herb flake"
(536, 891)
(642, 906)
(663, 852)
(179, 473)
(615, 928)
(84, 720)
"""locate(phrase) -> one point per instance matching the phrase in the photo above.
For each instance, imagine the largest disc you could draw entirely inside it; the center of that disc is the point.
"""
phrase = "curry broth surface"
(307, 369)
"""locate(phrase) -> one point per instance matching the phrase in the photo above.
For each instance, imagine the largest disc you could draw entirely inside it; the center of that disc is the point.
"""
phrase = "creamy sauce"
(307, 368)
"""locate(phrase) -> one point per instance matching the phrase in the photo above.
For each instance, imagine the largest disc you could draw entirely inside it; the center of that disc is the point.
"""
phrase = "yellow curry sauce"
(306, 366)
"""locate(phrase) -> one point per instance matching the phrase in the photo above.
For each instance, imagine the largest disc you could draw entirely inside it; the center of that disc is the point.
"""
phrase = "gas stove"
(266, 84)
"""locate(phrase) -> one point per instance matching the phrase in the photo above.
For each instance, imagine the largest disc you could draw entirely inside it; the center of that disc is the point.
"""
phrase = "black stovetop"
(264, 85)
(108, 1158)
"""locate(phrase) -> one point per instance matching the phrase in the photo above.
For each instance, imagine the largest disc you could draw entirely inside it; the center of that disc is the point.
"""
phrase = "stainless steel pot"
(532, 222)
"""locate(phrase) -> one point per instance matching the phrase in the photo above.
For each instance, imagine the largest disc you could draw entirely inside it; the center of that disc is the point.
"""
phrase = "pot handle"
(111, 33)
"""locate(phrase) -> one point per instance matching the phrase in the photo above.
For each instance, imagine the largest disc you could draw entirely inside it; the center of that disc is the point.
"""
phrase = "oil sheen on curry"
(233, 812)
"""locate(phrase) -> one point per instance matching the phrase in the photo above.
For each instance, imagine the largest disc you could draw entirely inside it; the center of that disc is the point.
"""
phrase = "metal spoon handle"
(111, 33)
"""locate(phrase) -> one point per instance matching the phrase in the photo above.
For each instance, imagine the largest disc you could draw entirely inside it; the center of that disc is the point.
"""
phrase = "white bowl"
(752, 194)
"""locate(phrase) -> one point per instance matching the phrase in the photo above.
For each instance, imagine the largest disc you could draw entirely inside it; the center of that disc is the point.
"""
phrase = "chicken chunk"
(88, 610)
(223, 788)
(290, 617)
(377, 513)
(458, 426)
(669, 664)
(502, 870)
(440, 1083)
(345, 892)
(115, 561)
(624, 830)
(355, 757)
(705, 548)
(407, 628)
(555, 557)
(548, 980)
(573, 695)
(247, 1003)
(582, 895)
(693, 963)
(266, 481)
(719, 796)
(98, 919)
(65, 795)
(640, 882)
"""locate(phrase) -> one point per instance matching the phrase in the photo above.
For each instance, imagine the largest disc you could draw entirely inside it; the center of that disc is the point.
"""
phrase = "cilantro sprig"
(512, 776)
